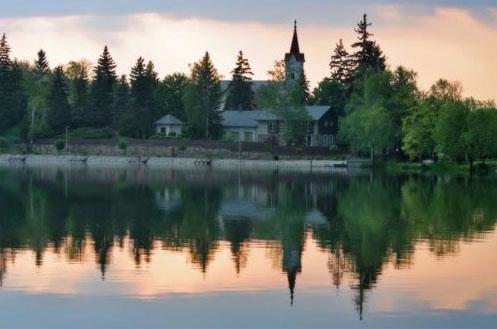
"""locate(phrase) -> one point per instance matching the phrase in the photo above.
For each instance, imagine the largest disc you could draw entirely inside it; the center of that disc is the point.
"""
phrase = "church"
(262, 126)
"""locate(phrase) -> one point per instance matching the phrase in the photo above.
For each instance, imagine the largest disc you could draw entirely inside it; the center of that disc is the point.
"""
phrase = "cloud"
(448, 42)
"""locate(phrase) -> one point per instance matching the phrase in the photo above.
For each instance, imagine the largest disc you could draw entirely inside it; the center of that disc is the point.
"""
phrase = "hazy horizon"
(456, 40)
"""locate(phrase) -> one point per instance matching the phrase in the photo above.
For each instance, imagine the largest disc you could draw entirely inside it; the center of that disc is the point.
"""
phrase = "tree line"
(378, 110)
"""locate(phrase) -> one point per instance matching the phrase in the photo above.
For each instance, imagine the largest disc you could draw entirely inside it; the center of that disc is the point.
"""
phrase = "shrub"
(3, 143)
(60, 144)
(172, 134)
(122, 144)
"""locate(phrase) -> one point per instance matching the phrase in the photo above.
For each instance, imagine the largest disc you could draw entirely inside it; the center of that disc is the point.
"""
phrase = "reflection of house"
(261, 126)
(169, 125)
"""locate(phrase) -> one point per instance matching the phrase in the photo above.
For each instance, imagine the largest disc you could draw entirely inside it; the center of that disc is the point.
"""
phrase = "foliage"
(92, 133)
(449, 131)
(138, 118)
(59, 144)
(170, 94)
(368, 54)
(240, 93)
(341, 64)
(481, 135)
(4, 143)
(13, 101)
(286, 100)
(59, 111)
(122, 143)
(202, 100)
(99, 113)
(41, 64)
(78, 72)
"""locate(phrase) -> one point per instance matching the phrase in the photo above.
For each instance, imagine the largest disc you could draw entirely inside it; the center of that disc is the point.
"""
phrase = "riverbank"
(170, 162)
(440, 168)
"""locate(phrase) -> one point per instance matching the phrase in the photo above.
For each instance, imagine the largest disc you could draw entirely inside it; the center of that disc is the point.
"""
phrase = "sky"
(456, 40)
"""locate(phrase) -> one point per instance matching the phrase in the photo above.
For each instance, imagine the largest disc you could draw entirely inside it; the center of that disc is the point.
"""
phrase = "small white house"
(169, 125)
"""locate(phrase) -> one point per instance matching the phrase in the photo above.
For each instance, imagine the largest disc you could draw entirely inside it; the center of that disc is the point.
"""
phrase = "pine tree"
(368, 54)
(59, 111)
(120, 106)
(137, 121)
(304, 95)
(41, 64)
(202, 100)
(240, 92)
(13, 101)
(340, 64)
(99, 113)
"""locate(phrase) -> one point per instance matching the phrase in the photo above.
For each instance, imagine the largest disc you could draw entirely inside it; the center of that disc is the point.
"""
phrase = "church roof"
(295, 48)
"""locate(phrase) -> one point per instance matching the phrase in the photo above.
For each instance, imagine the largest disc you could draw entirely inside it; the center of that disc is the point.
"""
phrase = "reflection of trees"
(364, 223)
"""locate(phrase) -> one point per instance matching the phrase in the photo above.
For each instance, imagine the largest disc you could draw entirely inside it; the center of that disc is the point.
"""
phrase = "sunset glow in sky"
(456, 40)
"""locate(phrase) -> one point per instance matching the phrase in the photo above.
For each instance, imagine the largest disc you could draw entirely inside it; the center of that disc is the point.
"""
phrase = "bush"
(92, 133)
(3, 143)
(172, 134)
(60, 144)
(122, 144)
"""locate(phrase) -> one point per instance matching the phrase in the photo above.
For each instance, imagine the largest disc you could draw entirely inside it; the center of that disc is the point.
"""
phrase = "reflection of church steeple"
(292, 266)
(292, 280)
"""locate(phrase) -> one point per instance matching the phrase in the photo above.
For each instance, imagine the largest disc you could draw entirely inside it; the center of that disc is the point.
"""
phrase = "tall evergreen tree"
(120, 106)
(302, 89)
(368, 54)
(170, 92)
(340, 64)
(99, 114)
(240, 92)
(41, 63)
(137, 121)
(59, 111)
(77, 72)
(13, 100)
(202, 100)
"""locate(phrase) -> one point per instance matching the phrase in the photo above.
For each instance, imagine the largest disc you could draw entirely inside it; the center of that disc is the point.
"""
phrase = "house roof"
(317, 111)
(244, 118)
(169, 119)
(250, 118)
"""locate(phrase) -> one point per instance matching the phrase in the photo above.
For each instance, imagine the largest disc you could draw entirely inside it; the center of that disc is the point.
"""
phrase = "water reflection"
(363, 223)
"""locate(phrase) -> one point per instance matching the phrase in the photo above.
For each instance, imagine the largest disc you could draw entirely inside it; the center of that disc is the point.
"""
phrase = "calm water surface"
(136, 248)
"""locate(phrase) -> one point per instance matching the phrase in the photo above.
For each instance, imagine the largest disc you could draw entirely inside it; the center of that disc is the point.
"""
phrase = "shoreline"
(170, 162)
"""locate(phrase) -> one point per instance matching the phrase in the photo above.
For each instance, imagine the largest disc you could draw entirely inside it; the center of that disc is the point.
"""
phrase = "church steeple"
(295, 47)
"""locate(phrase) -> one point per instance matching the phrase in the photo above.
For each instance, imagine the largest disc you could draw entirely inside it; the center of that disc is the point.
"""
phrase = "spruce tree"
(202, 100)
(13, 101)
(240, 92)
(302, 90)
(340, 64)
(59, 111)
(41, 64)
(368, 54)
(120, 106)
(99, 113)
(137, 121)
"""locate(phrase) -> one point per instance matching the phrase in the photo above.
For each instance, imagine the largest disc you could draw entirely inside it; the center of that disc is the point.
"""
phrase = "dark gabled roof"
(248, 119)
(295, 48)
(168, 119)
(317, 111)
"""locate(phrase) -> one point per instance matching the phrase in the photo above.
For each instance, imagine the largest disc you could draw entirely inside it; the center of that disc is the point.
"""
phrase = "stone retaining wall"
(169, 162)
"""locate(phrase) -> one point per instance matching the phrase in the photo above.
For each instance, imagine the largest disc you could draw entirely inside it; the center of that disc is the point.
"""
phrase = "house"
(169, 125)
(264, 127)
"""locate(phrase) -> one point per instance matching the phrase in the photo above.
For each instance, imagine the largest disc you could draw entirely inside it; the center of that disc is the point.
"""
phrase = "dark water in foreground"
(136, 248)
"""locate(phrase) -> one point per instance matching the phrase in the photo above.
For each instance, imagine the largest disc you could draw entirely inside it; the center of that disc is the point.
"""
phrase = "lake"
(142, 248)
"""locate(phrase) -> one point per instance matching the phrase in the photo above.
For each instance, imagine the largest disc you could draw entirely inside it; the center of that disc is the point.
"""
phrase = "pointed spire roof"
(295, 48)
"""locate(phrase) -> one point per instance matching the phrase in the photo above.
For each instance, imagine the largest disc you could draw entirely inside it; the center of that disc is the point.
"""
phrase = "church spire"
(295, 47)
